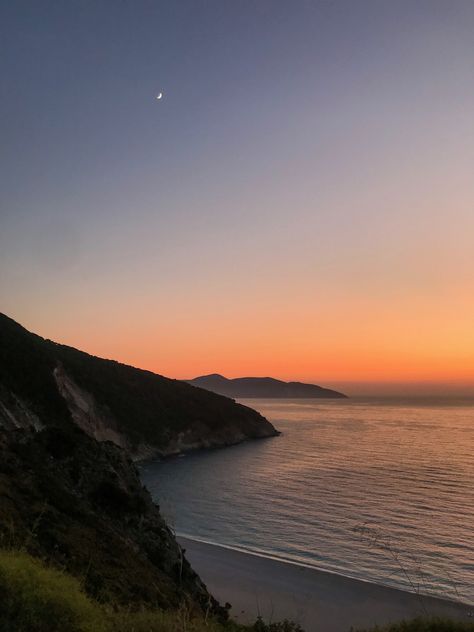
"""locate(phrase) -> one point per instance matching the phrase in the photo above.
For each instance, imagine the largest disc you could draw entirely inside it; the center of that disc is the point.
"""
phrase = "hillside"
(262, 387)
(80, 505)
(43, 383)
(71, 497)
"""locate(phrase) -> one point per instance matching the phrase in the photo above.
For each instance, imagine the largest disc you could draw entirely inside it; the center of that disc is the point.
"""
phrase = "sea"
(380, 490)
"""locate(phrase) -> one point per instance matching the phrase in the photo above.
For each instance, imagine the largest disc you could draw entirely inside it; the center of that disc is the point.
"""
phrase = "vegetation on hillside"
(157, 405)
(146, 408)
(35, 598)
(80, 504)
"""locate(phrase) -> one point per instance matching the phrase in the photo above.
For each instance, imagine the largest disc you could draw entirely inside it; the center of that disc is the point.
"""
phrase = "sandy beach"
(319, 601)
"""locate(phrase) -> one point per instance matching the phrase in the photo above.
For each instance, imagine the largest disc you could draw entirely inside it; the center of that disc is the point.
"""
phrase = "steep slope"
(43, 383)
(261, 387)
(79, 504)
(72, 497)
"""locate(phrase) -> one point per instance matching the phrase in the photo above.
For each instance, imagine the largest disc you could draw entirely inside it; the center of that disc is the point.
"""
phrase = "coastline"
(149, 454)
(320, 601)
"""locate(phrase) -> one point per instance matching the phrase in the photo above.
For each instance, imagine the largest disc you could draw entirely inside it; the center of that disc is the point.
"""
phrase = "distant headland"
(262, 387)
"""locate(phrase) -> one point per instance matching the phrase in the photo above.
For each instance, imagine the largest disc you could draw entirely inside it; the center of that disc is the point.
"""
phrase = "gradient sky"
(299, 204)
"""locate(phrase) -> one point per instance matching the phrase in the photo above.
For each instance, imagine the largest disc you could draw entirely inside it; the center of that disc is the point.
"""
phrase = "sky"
(300, 203)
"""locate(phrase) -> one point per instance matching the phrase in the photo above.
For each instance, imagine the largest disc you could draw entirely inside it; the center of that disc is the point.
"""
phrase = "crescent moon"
(159, 96)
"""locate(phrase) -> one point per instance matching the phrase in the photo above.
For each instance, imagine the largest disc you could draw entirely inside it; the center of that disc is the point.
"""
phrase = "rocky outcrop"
(86, 412)
(15, 414)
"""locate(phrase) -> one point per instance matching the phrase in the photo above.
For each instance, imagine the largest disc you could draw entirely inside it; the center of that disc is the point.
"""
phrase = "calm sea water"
(377, 490)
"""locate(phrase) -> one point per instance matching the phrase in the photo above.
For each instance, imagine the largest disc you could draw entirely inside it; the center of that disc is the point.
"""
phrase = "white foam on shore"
(283, 560)
(404, 472)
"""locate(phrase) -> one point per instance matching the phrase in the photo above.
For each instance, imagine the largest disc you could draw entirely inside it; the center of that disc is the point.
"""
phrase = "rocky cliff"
(70, 425)
(79, 505)
(46, 384)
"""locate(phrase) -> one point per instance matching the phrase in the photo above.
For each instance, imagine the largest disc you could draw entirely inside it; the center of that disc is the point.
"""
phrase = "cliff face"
(79, 505)
(69, 492)
(46, 384)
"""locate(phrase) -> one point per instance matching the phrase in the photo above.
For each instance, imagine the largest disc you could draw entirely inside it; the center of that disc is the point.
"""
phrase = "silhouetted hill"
(43, 383)
(261, 387)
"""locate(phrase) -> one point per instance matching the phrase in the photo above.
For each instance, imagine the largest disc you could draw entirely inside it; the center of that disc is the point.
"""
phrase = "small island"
(265, 387)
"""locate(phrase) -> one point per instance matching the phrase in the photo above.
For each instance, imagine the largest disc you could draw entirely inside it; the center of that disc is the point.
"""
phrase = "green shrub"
(35, 598)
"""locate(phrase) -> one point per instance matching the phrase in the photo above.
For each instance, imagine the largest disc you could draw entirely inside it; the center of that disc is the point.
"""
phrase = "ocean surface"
(378, 490)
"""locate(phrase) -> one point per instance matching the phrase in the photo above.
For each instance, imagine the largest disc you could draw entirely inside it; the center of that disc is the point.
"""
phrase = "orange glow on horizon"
(341, 338)
(307, 214)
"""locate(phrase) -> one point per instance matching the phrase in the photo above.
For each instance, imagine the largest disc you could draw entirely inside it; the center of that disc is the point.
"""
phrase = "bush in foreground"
(36, 598)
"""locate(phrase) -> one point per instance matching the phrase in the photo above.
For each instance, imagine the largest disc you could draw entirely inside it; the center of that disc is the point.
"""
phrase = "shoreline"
(321, 601)
(283, 560)
(157, 455)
